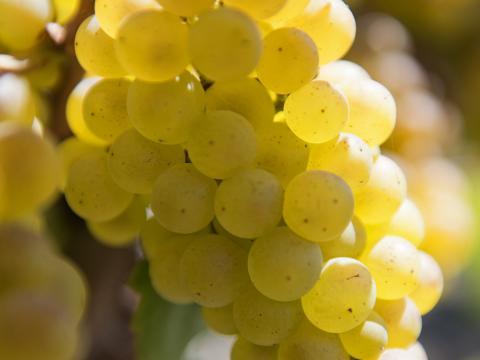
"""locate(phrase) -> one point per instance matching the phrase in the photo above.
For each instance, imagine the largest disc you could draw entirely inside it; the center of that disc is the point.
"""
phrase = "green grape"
(318, 205)
(65, 10)
(122, 229)
(367, 340)
(244, 350)
(220, 319)
(220, 230)
(16, 100)
(280, 152)
(408, 223)
(249, 204)
(340, 71)
(186, 8)
(152, 45)
(23, 22)
(233, 42)
(263, 321)
(342, 298)
(152, 236)
(347, 156)
(291, 9)
(105, 108)
(111, 13)
(183, 199)
(372, 110)
(29, 171)
(395, 264)
(166, 112)
(247, 97)
(385, 191)
(403, 319)
(258, 9)
(214, 269)
(301, 263)
(317, 112)
(222, 144)
(289, 60)
(330, 24)
(351, 243)
(430, 284)
(135, 162)
(95, 50)
(311, 343)
(91, 192)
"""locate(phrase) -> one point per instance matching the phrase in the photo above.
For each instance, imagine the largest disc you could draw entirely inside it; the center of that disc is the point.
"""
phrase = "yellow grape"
(291, 9)
(233, 42)
(245, 350)
(289, 60)
(222, 144)
(16, 100)
(342, 298)
(403, 319)
(95, 50)
(351, 243)
(247, 97)
(249, 204)
(347, 156)
(152, 235)
(220, 230)
(214, 269)
(220, 319)
(430, 284)
(301, 263)
(394, 354)
(170, 120)
(341, 71)
(417, 352)
(183, 198)
(384, 193)
(318, 205)
(152, 45)
(135, 162)
(91, 192)
(186, 8)
(258, 9)
(65, 10)
(317, 112)
(408, 223)
(263, 321)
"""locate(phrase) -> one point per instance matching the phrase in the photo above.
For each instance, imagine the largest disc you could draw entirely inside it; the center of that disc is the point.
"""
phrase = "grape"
(152, 45)
(247, 97)
(244, 350)
(404, 322)
(186, 7)
(351, 243)
(318, 205)
(317, 112)
(366, 340)
(152, 236)
(220, 230)
(182, 199)
(395, 264)
(90, 191)
(408, 223)
(123, 229)
(263, 321)
(65, 10)
(289, 60)
(233, 42)
(301, 263)
(417, 352)
(29, 171)
(214, 269)
(222, 144)
(249, 204)
(220, 319)
(95, 50)
(258, 9)
(347, 156)
(394, 354)
(135, 162)
(342, 298)
(105, 110)
(341, 71)
(310, 343)
(291, 9)
(166, 112)
(16, 100)
(430, 284)
(385, 191)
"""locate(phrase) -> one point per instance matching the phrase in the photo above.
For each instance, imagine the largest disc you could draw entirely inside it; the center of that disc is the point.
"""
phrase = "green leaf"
(161, 329)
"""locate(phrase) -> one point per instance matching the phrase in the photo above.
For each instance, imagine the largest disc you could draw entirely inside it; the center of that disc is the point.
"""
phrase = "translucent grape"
(220, 319)
(244, 350)
(341, 71)
(258, 9)
(222, 144)
(166, 112)
(214, 269)
(291, 9)
(317, 112)
(301, 263)
(182, 199)
(408, 223)
(393, 354)
(16, 100)
(186, 7)
(417, 352)
(342, 298)
(65, 10)
(135, 162)
(318, 205)
(289, 60)
(152, 45)
(152, 236)
(233, 42)
(220, 230)
(351, 243)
